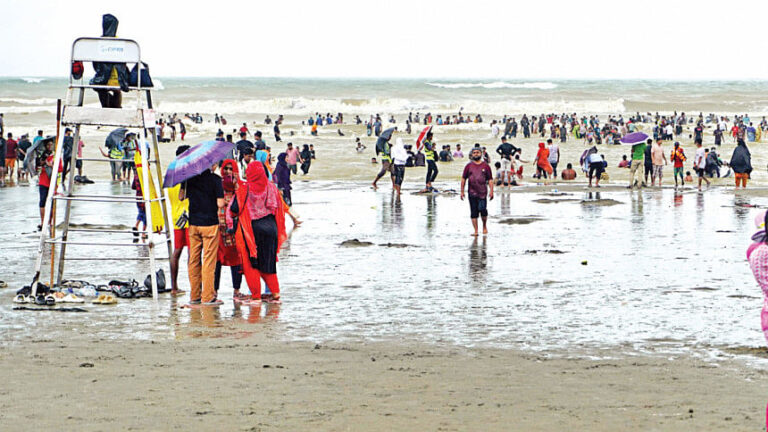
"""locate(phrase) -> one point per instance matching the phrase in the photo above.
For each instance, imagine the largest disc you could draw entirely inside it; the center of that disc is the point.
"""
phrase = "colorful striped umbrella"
(196, 160)
(422, 135)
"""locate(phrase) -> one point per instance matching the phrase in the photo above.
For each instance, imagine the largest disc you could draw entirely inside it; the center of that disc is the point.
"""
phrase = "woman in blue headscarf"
(263, 157)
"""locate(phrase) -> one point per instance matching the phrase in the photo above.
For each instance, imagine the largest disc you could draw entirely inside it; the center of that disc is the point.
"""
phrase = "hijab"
(262, 156)
(228, 182)
(282, 174)
(256, 177)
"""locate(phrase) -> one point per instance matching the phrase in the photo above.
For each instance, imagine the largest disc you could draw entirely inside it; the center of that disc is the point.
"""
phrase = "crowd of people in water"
(645, 163)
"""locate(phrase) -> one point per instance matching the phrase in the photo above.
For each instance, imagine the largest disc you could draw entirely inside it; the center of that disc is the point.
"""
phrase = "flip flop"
(3, 284)
(251, 302)
(20, 299)
(99, 299)
(71, 298)
(274, 300)
(50, 300)
(40, 300)
(109, 300)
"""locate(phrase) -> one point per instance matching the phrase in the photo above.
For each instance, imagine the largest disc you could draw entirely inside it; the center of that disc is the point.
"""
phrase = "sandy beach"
(250, 380)
(314, 296)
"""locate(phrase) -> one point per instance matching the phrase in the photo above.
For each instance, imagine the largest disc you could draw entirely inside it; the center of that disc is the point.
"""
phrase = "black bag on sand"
(160, 276)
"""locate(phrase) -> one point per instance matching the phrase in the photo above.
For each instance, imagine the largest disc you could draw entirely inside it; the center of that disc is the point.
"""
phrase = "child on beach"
(141, 216)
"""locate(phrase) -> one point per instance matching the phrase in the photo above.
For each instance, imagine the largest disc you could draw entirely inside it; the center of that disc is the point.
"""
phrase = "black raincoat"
(741, 161)
(103, 70)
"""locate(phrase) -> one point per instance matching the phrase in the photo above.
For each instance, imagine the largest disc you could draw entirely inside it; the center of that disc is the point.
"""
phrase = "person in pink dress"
(757, 255)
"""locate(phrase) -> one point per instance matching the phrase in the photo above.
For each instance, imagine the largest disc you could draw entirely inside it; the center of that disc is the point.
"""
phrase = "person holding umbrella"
(382, 147)
(637, 141)
(194, 169)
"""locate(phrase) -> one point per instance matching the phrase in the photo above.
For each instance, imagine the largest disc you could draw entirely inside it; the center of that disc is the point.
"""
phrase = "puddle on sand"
(653, 272)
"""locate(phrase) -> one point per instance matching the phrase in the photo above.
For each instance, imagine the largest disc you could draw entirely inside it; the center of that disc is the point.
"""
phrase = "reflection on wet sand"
(645, 253)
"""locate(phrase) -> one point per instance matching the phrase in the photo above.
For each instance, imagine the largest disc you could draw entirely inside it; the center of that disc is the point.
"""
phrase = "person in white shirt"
(399, 157)
(494, 129)
(700, 163)
(554, 156)
(669, 130)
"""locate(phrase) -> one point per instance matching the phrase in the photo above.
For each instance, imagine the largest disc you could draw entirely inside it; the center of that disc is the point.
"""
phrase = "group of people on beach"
(236, 220)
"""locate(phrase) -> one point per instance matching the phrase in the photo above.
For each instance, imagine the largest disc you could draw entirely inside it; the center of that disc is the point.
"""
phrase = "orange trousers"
(741, 178)
(203, 250)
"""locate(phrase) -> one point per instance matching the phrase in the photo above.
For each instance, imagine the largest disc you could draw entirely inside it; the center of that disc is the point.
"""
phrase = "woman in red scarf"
(257, 218)
(227, 254)
(542, 162)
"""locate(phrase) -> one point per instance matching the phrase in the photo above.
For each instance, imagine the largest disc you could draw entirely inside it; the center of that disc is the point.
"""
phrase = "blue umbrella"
(195, 160)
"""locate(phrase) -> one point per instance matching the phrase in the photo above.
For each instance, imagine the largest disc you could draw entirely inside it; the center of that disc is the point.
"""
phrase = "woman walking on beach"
(741, 163)
(757, 255)
(257, 219)
(543, 167)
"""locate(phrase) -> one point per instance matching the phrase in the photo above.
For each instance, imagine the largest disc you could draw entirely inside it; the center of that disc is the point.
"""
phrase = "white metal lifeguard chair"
(75, 115)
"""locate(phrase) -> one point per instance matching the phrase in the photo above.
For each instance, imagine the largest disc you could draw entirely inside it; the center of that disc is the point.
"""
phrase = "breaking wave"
(497, 85)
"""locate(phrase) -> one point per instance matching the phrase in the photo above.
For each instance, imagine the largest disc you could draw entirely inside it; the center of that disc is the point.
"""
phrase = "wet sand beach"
(395, 318)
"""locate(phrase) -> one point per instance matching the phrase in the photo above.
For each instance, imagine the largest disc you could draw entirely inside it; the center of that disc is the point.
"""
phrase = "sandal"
(50, 300)
(71, 298)
(20, 299)
(109, 300)
(3, 284)
(274, 300)
(40, 300)
(99, 299)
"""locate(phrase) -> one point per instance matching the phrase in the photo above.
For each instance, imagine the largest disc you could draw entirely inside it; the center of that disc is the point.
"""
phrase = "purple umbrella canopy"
(196, 160)
(633, 138)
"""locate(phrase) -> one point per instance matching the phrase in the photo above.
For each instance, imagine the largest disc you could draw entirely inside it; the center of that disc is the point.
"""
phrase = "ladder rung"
(106, 198)
(55, 241)
(97, 116)
(106, 87)
(110, 160)
(112, 258)
(107, 231)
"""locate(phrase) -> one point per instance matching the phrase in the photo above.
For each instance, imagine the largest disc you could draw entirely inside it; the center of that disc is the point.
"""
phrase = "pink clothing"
(292, 156)
(258, 205)
(80, 148)
(758, 262)
(657, 155)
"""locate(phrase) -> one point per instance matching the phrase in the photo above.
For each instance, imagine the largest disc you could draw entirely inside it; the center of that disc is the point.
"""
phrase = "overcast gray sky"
(591, 39)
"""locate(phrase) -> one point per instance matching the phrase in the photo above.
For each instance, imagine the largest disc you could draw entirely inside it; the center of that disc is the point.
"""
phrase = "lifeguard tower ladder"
(75, 114)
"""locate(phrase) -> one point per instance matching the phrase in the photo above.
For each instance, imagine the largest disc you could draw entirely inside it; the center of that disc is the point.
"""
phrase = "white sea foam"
(306, 106)
(33, 80)
(22, 101)
(497, 85)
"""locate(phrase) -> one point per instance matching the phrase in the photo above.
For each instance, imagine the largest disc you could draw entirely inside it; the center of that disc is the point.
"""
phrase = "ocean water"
(25, 98)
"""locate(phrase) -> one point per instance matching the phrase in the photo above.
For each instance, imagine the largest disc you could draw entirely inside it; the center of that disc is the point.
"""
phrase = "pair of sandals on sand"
(105, 299)
(47, 300)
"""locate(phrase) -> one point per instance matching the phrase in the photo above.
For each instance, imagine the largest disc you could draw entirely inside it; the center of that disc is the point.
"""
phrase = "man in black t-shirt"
(242, 145)
(206, 197)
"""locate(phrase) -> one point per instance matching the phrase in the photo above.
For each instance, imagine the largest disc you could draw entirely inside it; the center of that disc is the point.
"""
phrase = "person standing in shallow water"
(480, 178)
